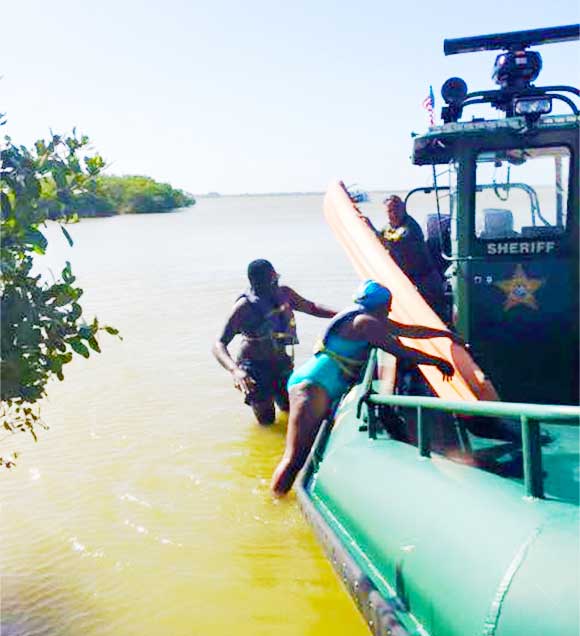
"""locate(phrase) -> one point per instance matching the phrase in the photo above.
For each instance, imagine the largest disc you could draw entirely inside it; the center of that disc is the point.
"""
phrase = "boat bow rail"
(530, 416)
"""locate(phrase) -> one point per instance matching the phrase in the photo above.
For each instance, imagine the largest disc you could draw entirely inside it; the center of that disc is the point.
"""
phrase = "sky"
(256, 96)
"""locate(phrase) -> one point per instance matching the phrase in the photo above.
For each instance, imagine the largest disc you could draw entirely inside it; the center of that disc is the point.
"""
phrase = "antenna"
(512, 40)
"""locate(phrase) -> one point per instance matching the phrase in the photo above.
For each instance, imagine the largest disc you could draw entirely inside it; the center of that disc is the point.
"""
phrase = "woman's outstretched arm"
(394, 347)
(419, 331)
(378, 333)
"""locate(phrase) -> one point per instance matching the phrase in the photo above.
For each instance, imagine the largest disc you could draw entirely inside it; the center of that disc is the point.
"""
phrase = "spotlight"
(454, 90)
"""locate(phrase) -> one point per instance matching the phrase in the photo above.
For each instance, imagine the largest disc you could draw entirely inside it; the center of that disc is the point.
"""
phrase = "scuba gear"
(274, 319)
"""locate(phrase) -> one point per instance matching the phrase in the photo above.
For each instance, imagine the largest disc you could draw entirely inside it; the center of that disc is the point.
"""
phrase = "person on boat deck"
(317, 386)
(404, 239)
(264, 317)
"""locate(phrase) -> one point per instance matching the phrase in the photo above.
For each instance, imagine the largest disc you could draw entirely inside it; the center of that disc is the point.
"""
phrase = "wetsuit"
(275, 324)
(270, 378)
(337, 362)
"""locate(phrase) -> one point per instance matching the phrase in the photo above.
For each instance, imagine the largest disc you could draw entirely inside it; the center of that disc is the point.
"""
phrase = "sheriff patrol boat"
(451, 509)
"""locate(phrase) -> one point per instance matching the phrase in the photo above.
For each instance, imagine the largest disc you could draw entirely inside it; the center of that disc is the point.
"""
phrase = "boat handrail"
(529, 415)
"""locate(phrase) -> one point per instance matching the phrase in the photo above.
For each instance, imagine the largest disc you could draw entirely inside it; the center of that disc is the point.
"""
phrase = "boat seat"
(498, 223)
(444, 223)
(541, 231)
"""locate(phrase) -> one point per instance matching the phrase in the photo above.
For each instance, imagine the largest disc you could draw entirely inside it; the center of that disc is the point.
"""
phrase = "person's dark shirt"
(406, 245)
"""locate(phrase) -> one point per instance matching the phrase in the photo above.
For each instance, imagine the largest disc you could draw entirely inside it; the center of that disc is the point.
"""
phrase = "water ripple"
(129, 497)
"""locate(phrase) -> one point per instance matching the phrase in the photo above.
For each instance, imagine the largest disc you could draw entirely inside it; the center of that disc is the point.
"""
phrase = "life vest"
(350, 366)
(274, 321)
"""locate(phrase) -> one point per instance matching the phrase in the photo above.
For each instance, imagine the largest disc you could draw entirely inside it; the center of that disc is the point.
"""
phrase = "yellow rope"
(350, 366)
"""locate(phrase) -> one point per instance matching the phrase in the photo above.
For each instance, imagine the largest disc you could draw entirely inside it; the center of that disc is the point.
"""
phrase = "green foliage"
(42, 324)
(134, 194)
(117, 195)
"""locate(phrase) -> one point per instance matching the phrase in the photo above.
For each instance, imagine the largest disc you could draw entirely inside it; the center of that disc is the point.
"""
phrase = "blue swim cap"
(371, 295)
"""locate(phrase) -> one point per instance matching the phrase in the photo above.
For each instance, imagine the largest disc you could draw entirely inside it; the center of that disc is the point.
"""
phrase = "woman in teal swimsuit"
(322, 380)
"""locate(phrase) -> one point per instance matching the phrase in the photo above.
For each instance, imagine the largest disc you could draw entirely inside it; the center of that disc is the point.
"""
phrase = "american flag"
(429, 105)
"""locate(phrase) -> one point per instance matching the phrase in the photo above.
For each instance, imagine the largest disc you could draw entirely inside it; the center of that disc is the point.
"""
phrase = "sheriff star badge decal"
(520, 289)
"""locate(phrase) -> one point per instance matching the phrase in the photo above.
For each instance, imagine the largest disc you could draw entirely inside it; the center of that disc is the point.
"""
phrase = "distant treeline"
(118, 195)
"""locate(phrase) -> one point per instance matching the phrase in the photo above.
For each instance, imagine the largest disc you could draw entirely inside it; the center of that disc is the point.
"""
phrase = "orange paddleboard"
(372, 260)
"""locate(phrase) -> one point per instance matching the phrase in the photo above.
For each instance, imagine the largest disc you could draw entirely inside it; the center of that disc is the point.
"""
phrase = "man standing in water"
(264, 317)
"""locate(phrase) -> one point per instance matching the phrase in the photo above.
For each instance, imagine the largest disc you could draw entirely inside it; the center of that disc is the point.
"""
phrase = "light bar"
(532, 106)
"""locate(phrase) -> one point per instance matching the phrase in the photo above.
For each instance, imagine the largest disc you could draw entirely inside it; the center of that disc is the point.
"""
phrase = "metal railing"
(529, 415)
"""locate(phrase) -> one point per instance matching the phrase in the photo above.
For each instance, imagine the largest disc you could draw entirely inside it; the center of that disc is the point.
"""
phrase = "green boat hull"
(428, 545)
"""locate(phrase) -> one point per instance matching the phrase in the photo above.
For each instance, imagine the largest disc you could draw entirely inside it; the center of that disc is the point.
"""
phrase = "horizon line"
(214, 194)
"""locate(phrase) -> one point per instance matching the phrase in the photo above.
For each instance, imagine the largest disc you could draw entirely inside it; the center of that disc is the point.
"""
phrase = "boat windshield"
(522, 193)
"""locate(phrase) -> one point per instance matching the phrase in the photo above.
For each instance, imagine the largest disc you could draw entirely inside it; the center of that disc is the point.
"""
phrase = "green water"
(145, 508)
